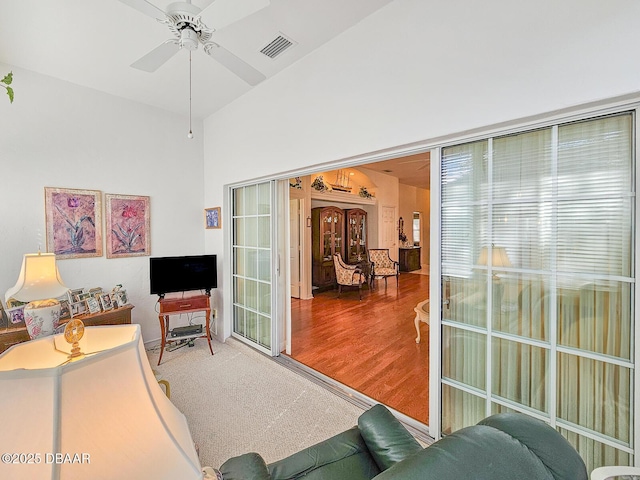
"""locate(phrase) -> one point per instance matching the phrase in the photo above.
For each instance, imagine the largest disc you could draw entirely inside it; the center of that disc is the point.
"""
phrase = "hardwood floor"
(369, 345)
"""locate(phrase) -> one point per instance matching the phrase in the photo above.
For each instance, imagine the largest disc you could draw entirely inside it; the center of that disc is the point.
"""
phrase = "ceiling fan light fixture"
(188, 39)
(183, 19)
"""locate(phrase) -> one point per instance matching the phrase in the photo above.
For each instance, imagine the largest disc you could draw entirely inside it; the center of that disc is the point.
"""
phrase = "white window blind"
(538, 288)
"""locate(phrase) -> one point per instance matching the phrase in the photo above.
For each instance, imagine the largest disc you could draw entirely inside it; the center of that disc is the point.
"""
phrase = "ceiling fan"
(184, 21)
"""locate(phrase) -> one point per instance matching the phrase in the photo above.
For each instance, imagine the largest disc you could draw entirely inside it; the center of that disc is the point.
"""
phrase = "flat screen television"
(181, 274)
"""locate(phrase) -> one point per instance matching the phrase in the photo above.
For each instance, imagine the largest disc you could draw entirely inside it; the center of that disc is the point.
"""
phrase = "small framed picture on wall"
(212, 218)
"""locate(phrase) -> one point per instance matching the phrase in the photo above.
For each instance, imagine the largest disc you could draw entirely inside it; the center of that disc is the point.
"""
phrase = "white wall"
(418, 70)
(57, 134)
(387, 192)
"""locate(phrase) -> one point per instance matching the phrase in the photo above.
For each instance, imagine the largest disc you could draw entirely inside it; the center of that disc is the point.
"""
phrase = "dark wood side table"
(409, 259)
(116, 316)
(176, 306)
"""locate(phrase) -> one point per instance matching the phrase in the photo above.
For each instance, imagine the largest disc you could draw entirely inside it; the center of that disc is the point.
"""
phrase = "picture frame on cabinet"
(78, 308)
(106, 302)
(212, 218)
(65, 312)
(81, 297)
(73, 293)
(16, 314)
(93, 305)
(120, 298)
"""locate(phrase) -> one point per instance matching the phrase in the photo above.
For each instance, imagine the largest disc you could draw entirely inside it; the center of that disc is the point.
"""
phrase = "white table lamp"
(499, 258)
(39, 284)
(103, 416)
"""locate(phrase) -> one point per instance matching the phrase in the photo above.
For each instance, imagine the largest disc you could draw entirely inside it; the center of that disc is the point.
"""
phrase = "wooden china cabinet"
(356, 235)
(328, 238)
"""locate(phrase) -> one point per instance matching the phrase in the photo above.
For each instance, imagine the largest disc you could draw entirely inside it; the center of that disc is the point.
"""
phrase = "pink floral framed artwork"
(128, 225)
(74, 222)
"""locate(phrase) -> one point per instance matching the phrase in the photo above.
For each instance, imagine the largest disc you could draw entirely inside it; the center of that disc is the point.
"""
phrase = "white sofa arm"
(602, 473)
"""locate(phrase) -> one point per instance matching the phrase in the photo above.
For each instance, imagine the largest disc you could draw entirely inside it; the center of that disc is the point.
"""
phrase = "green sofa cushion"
(386, 438)
(249, 466)
(485, 452)
(341, 456)
(544, 441)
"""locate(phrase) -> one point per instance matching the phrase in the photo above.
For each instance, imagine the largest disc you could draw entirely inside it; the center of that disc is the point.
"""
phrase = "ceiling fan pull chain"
(190, 134)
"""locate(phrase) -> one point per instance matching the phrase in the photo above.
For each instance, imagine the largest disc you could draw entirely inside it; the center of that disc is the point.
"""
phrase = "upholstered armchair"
(348, 275)
(505, 446)
(382, 266)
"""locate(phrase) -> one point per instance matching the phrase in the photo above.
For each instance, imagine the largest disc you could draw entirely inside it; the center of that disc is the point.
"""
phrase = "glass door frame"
(574, 114)
(435, 289)
(229, 269)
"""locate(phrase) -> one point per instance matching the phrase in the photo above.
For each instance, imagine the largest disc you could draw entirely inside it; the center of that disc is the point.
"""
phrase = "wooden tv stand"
(176, 306)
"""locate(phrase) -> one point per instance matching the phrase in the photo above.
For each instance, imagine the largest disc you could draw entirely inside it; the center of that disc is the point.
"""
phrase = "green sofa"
(504, 446)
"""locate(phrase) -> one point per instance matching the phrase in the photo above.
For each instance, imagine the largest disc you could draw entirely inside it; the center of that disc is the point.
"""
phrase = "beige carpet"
(240, 401)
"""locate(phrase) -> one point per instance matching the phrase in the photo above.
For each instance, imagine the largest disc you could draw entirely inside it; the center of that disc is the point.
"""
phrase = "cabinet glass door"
(337, 231)
(356, 235)
(331, 227)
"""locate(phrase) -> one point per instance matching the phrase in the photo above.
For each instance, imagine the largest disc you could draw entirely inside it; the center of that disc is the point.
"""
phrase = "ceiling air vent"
(276, 46)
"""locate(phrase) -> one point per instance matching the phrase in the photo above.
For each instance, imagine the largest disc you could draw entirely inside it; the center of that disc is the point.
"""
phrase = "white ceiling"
(93, 43)
(411, 170)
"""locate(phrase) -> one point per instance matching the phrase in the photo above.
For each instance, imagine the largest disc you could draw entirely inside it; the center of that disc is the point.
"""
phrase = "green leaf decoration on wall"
(5, 82)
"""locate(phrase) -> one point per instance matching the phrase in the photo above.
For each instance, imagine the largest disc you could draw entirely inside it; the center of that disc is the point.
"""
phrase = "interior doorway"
(295, 246)
(389, 232)
(368, 345)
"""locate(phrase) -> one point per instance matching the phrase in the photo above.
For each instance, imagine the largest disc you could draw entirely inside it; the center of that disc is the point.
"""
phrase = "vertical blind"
(544, 325)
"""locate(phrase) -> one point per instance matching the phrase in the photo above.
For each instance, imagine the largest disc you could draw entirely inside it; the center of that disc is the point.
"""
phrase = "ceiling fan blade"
(233, 63)
(146, 8)
(225, 12)
(156, 57)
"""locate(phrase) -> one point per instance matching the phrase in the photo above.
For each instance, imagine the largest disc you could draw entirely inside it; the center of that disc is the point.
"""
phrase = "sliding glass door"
(253, 264)
(537, 232)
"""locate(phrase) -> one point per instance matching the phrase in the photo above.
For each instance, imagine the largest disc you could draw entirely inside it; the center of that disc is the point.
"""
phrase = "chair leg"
(360, 290)
(339, 290)
(385, 283)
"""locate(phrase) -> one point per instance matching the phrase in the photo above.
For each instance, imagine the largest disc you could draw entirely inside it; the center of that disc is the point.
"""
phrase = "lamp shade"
(101, 417)
(499, 257)
(39, 279)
